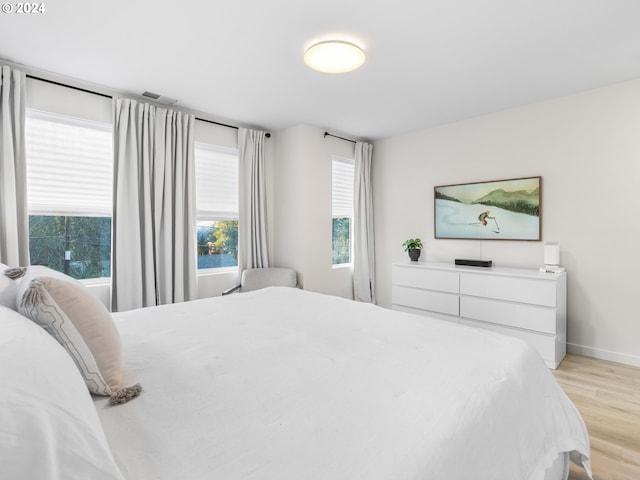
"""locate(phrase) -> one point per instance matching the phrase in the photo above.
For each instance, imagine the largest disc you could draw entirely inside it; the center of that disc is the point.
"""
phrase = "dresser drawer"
(544, 344)
(514, 289)
(425, 313)
(425, 278)
(519, 315)
(439, 302)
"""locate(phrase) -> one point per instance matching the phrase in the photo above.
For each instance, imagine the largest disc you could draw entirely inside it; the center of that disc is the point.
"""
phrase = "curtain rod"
(267, 134)
(46, 80)
(341, 138)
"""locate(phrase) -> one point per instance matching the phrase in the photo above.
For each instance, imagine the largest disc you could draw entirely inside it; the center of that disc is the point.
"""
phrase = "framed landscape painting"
(495, 210)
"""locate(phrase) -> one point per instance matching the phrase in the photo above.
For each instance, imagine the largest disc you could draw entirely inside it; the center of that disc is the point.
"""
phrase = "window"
(217, 205)
(342, 172)
(69, 193)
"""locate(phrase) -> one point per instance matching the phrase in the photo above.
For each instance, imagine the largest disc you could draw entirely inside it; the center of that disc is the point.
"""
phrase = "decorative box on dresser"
(524, 303)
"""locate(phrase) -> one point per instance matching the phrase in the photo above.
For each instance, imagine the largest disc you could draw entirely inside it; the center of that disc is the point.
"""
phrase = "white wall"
(303, 208)
(67, 101)
(586, 147)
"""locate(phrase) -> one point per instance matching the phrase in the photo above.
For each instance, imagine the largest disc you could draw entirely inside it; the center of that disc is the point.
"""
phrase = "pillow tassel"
(33, 296)
(125, 394)
(15, 273)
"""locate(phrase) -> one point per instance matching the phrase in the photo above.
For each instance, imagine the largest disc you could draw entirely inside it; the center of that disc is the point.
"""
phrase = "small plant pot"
(414, 255)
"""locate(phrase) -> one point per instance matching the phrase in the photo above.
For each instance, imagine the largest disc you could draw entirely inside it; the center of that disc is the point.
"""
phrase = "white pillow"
(8, 288)
(81, 324)
(49, 428)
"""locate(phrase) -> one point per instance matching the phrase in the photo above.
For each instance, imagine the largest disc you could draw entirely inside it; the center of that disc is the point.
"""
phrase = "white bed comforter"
(285, 384)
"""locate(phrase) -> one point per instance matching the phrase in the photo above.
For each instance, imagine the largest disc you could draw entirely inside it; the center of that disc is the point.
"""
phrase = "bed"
(282, 383)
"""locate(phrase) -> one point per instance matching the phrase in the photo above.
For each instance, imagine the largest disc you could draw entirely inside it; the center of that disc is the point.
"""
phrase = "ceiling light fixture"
(334, 56)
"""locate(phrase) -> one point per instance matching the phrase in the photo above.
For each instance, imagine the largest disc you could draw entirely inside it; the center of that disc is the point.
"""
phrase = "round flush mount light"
(334, 56)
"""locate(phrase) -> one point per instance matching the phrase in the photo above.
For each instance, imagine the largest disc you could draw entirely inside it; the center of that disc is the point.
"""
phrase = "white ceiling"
(429, 62)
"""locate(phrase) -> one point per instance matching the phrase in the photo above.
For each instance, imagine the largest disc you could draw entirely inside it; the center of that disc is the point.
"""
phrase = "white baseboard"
(626, 358)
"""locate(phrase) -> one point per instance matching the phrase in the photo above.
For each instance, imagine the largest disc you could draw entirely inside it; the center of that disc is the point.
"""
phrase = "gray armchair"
(257, 278)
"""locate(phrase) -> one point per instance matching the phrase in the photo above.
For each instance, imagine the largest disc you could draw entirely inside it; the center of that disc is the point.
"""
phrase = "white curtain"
(253, 248)
(363, 242)
(14, 219)
(154, 235)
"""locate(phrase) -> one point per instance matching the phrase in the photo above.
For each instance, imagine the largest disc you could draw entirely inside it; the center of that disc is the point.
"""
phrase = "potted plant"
(413, 246)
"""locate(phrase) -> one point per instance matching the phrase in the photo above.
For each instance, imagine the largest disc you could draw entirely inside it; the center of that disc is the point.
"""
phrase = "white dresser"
(519, 302)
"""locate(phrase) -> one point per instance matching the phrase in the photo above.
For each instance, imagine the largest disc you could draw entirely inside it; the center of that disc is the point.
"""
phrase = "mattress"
(282, 384)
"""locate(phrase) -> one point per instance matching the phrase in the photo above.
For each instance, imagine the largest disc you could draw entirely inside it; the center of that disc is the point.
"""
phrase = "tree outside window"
(77, 246)
(218, 244)
(341, 240)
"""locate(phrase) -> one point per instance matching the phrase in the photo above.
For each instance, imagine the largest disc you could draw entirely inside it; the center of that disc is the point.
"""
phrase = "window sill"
(96, 282)
(216, 271)
(343, 265)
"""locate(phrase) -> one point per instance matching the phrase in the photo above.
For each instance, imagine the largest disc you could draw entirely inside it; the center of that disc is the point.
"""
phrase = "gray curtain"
(363, 241)
(14, 216)
(253, 248)
(154, 235)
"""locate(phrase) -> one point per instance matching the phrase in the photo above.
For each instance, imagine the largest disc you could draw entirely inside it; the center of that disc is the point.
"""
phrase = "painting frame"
(475, 211)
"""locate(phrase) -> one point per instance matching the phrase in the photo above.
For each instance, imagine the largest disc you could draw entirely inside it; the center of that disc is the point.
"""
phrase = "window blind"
(69, 165)
(342, 171)
(216, 182)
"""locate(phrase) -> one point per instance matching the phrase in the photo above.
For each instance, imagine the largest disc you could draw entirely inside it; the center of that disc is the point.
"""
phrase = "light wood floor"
(607, 395)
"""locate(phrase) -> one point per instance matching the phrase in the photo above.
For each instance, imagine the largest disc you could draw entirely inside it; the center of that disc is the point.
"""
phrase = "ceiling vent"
(159, 98)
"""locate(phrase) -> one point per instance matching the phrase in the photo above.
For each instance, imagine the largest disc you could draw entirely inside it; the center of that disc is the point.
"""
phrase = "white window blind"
(342, 172)
(69, 165)
(216, 182)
